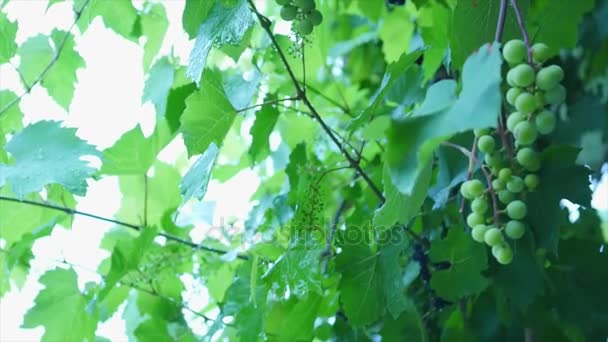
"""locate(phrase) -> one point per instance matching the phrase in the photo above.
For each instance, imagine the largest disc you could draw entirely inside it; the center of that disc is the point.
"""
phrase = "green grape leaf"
(223, 25)
(556, 23)
(11, 118)
(37, 53)
(293, 319)
(265, 120)
(412, 140)
(239, 91)
(297, 270)
(133, 153)
(406, 327)
(400, 208)
(154, 25)
(158, 85)
(435, 33)
(61, 295)
(118, 15)
(208, 115)
(544, 211)
(396, 31)
(467, 260)
(176, 103)
(194, 183)
(161, 191)
(474, 23)
(19, 220)
(194, 13)
(8, 32)
(46, 153)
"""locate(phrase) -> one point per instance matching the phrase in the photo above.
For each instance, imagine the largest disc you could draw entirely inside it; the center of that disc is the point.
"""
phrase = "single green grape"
(493, 237)
(512, 95)
(502, 254)
(475, 187)
(478, 232)
(481, 131)
(517, 210)
(506, 196)
(525, 133)
(515, 229)
(315, 17)
(545, 122)
(527, 157)
(540, 52)
(493, 160)
(305, 5)
(498, 185)
(531, 180)
(479, 205)
(513, 119)
(289, 12)
(549, 76)
(504, 175)
(515, 185)
(526, 103)
(523, 75)
(474, 219)
(305, 27)
(540, 98)
(555, 95)
(486, 144)
(514, 51)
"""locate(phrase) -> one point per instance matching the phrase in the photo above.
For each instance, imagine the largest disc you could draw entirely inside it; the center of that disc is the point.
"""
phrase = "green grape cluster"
(303, 13)
(534, 92)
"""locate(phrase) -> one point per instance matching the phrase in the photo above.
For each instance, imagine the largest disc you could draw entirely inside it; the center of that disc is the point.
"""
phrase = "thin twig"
(522, 28)
(266, 25)
(70, 211)
(266, 103)
(500, 25)
(46, 69)
(492, 192)
(342, 107)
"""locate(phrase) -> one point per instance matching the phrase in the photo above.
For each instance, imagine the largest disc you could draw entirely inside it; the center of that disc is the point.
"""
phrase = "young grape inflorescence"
(534, 92)
(303, 13)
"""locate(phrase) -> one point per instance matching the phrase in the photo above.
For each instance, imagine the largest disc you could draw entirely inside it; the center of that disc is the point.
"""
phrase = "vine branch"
(58, 51)
(70, 211)
(301, 95)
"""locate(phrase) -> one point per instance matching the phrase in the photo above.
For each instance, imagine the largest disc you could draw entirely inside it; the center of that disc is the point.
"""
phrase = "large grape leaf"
(208, 115)
(36, 53)
(434, 29)
(467, 260)
(297, 271)
(154, 25)
(158, 85)
(11, 119)
(265, 120)
(8, 31)
(46, 153)
(194, 183)
(19, 219)
(223, 25)
(118, 15)
(194, 13)
(61, 309)
(544, 211)
(133, 153)
(396, 31)
(293, 319)
(413, 139)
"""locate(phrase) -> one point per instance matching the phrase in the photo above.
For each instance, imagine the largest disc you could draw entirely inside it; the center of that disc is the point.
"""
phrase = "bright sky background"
(107, 103)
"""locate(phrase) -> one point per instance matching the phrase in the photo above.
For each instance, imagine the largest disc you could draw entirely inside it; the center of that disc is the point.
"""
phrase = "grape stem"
(524, 32)
(492, 192)
(504, 134)
(472, 161)
(500, 26)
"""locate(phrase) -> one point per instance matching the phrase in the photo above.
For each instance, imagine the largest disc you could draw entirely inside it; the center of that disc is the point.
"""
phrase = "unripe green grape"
(493, 159)
(526, 103)
(515, 185)
(510, 80)
(465, 192)
(474, 219)
(540, 98)
(502, 254)
(504, 175)
(506, 196)
(481, 131)
(478, 232)
(315, 17)
(288, 12)
(527, 157)
(517, 210)
(556, 95)
(305, 5)
(512, 95)
(493, 237)
(525, 133)
(475, 187)
(494, 170)
(545, 122)
(497, 185)
(514, 51)
(305, 27)
(540, 52)
(513, 119)
(523, 75)
(479, 205)
(531, 181)
(486, 144)
(515, 229)
(548, 77)
(283, 2)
